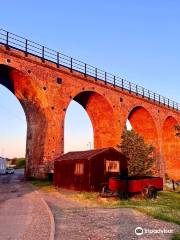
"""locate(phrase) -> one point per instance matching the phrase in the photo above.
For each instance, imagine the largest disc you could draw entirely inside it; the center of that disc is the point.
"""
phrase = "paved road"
(22, 213)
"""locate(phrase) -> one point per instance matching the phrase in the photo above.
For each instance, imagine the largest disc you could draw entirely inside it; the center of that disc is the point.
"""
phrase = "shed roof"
(80, 155)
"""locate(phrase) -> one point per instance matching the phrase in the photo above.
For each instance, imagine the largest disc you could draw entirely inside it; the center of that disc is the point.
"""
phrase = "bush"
(139, 154)
(19, 162)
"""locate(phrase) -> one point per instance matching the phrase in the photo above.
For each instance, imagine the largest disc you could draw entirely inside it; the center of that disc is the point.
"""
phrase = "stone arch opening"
(21, 86)
(78, 132)
(5, 79)
(13, 125)
(171, 148)
(142, 122)
(102, 117)
(13, 118)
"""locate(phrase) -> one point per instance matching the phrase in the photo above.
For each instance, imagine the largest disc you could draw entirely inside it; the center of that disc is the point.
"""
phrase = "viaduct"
(45, 82)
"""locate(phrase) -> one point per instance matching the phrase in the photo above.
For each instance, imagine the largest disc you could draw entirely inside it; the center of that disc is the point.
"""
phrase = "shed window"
(79, 169)
(112, 166)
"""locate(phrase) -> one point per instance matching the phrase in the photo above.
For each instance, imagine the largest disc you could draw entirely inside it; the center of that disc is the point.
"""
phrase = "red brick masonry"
(45, 100)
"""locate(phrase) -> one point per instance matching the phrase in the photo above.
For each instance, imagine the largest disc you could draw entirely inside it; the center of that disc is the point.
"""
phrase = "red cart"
(146, 185)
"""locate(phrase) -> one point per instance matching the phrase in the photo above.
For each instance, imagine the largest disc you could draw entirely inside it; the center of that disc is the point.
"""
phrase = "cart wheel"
(150, 192)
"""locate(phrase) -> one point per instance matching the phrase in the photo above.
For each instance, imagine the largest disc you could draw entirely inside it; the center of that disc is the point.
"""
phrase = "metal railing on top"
(11, 40)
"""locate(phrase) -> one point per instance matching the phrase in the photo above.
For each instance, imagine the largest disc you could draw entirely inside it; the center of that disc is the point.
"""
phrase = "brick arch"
(7, 77)
(102, 116)
(45, 91)
(10, 78)
(143, 123)
(171, 148)
(21, 86)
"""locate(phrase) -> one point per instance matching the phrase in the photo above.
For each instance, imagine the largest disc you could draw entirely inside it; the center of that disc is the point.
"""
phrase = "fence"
(11, 40)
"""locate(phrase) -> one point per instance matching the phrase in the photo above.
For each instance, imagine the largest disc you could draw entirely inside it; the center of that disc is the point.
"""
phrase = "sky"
(135, 39)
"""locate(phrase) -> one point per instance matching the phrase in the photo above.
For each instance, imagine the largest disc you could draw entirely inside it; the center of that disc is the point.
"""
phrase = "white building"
(3, 165)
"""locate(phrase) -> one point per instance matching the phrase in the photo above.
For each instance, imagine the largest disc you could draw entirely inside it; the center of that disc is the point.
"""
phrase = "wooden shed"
(88, 170)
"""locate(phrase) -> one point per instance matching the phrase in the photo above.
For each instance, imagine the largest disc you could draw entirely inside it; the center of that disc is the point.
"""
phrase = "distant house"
(88, 170)
(3, 165)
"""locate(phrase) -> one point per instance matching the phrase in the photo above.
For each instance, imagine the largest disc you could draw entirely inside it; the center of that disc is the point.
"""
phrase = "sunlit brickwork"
(45, 92)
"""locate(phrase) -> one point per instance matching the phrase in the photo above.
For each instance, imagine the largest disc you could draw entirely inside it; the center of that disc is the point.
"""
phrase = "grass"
(176, 236)
(45, 185)
(166, 207)
(40, 183)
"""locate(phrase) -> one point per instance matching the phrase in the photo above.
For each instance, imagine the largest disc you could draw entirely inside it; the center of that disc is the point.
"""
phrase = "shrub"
(19, 162)
(139, 154)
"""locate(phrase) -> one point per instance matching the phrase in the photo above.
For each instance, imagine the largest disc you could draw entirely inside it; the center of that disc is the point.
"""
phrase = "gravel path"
(75, 221)
(23, 214)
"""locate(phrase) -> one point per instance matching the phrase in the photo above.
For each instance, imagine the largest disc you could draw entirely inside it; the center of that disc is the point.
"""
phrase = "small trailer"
(3, 165)
(146, 185)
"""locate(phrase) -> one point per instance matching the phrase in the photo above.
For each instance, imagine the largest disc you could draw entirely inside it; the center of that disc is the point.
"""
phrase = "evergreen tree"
(139, 154)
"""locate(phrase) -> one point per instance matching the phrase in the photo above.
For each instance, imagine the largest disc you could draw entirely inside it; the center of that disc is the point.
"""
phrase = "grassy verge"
(43, 184)
(176, 236)
(166, 207)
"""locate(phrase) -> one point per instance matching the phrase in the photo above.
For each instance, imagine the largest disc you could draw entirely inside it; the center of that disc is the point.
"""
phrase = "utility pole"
(89, 145)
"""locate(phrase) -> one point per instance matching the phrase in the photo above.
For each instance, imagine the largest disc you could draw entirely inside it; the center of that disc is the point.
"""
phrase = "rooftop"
(80, 155)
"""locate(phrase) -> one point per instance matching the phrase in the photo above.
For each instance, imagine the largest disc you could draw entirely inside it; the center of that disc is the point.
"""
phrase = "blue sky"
(138, 40)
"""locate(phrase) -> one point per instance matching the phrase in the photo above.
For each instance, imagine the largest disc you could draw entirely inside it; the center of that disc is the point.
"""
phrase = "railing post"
(136, 90)
(122, 83)
(164, 101)
(96, 74)
(26, 48)
(85, 70)
(154, 97)
(149, 95)
(129, 87)
(143, 93)
(168, 102)
(105, 78)
(42, 53)
(114, 81)
(58, 59)
(71, 65)
(159, 99)
(173, 104)
(7, 40)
